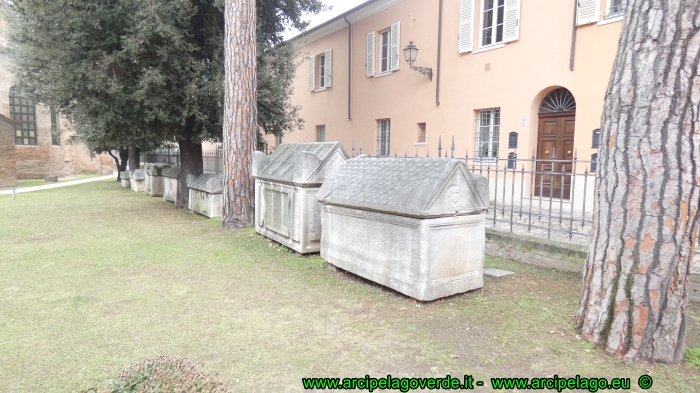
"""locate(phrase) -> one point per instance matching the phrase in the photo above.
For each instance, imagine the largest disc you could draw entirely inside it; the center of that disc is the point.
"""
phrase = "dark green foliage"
(146, 72)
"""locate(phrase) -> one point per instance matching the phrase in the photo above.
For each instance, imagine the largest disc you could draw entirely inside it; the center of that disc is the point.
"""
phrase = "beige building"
(539, 68)
(44, 144)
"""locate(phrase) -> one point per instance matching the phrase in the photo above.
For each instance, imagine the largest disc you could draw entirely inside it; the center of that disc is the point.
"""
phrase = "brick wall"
(8, 176)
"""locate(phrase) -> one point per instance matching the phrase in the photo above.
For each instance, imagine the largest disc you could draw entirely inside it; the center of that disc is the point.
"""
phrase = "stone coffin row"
(414, 225)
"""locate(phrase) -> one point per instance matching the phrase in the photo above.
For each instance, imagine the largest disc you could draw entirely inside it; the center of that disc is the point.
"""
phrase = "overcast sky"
(339, 6)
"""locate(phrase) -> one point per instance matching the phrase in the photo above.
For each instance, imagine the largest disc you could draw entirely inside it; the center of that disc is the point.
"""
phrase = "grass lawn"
(95, 277)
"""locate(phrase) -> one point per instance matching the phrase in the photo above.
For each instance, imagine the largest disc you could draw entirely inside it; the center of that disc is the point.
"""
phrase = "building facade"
(44, 144)
(539, 68)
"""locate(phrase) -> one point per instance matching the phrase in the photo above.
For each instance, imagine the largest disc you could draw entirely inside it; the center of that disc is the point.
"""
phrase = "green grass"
(95, 277)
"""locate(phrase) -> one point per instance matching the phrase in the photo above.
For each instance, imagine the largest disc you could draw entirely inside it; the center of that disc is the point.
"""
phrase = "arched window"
(559, 100)
(22, 111)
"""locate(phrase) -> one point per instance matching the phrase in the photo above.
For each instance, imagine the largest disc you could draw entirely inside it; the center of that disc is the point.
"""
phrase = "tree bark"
(119, 166)
(134, 158)
(240, 114)
(124, 156)
(645, 225)
(190, 164)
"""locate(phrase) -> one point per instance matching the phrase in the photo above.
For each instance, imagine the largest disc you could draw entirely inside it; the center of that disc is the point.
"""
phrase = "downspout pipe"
(439, 50)
(573, 37)
(350, 64)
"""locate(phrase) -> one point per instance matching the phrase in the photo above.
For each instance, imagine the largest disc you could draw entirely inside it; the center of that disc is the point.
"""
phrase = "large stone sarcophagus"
(154, 179)
(286, 183)
(415, 225)
(137, 178)
(171, 181)
(205, 194)
(126, 183)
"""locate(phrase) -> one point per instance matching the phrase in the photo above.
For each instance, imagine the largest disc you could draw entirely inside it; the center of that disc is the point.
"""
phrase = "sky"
(339, 6)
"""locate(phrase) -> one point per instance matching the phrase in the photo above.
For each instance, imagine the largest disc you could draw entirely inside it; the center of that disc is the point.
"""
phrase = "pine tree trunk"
(240, 114)
(645, 225)
(134, 158)
(191, 163)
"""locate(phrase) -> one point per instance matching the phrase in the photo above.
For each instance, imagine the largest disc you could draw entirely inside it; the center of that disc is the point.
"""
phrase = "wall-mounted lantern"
(513, 140)
(512, 160)
(410, 53)
(596, 138)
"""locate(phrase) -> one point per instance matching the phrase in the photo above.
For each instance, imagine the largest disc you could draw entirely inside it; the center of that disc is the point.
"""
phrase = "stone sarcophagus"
(137, 178)
(415, 225)
(286, 183)
(154, 179)
(171, 181)
(125, 179)
(205, 194)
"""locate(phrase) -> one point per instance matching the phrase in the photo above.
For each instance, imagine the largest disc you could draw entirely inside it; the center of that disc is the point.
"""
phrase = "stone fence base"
(551, 254)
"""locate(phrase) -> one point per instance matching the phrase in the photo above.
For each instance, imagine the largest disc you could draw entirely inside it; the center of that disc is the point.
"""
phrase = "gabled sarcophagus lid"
(172, 172)
(211, 184)
(299, 164)
(412, 187)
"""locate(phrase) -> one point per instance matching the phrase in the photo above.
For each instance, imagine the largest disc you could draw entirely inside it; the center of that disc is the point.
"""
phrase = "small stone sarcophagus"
(154, 179)
(286, 183)
(137, 178)
(415, 225)
(125, 179)
(171, 181)
(205, 194)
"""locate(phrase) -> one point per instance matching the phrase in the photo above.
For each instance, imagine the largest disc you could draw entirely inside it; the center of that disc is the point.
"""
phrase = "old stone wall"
(8, 176)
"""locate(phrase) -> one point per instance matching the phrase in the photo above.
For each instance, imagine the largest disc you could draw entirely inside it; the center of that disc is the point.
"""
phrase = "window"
(55, 133)
(492, 22)
(384, 51)
(487, 135)
(616, 8)
(279, 139)
(321, 133)
(383, 136)
(421, 132)
(22, 111)
(389, 42)
(322, 63)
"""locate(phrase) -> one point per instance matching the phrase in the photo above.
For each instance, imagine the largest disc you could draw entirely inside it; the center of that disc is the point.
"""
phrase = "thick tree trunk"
(134, 158)
(646, 216)
(191, 164)
(240, 114)
(124, 156)
(119, 166)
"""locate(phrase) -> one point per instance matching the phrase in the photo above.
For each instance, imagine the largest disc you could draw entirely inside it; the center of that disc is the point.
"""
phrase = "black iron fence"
(213, 161)
(162, 156)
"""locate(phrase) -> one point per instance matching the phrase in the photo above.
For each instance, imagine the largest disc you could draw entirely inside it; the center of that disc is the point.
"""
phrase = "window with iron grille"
(321, 133)
(488, 126)
(383, 137)
(421, 132)
(55, 133)
(616, 8)
(22, 111)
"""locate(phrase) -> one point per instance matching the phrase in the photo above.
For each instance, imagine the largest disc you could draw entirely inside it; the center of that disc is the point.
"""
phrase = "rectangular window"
(383, 137)
(384, 48)
(487, 134)
(279, 139)
(616, 8)
(55, 133)
(421, 132)
(492, 22)
(322, 71)
(321, 133)
(22, 111)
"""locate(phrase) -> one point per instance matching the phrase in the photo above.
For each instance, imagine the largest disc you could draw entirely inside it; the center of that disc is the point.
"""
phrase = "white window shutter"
(370, 54)
(588, 11)
(512, 20)
(312, 73)
(395, 46)
(466, 26)
(329, 67)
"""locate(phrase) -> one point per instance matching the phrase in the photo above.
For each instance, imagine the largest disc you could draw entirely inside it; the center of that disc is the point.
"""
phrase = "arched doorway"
(555, 143)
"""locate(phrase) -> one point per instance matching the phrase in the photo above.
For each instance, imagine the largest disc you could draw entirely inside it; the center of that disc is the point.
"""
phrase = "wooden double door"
(555, 143)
